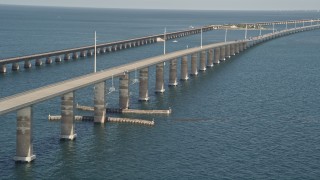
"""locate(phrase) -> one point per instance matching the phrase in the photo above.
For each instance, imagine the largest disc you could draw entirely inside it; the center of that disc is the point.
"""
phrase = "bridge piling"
(67, 57)
(38, 62)
(228, 51)
(237, 45)
(89, 53)
(15, 66)
(159, 78)
(143, 85)
(240, 47)
(67, 117)
(75, 55)
(124, 98)
(184, 68)
(194, 64)
(48, 60)
(210, 58)
(102, 50)
(3, 68)
(27, 64)
(173, 73)
(99, 102)
(83, 54)
(203, 58)
(222, 53)
(24, 147)
(245, 45)
(58, 59)
(216, 55)
(232, 50)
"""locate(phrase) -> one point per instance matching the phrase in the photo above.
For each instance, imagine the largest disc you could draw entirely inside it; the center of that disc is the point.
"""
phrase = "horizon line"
(126, 8)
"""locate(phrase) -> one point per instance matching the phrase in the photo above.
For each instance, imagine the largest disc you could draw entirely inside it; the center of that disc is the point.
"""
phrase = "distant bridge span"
(75, 53)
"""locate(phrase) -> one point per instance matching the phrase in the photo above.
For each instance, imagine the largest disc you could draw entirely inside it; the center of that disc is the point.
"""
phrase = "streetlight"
(260, 32)
(246, 32)
(164, 42)
(273, 28)
(95, 52)
(225, 35)
(201, 37)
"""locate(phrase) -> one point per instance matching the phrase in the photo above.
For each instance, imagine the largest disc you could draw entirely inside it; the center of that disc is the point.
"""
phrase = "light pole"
(164, 42)
(272, 28)
(260, 32)
(225, 35)
(95, 52)
(201, 37)
(246, 32)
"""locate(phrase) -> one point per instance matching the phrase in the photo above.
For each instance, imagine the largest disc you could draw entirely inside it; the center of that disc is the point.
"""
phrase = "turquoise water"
(255, 116)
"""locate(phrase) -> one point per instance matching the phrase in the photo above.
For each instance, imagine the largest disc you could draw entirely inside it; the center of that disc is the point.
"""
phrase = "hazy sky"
(179, 4)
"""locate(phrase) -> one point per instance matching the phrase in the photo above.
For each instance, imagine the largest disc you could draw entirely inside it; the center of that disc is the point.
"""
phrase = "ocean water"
(255, 116)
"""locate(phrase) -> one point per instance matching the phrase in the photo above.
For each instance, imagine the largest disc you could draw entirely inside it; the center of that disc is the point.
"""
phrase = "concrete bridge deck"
(25, 99)
(171, 35)
(119, 45)
(38, 95)
(23, 102)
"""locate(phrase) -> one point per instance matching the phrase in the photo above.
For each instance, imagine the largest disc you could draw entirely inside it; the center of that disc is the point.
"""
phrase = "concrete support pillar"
(115, 48)
(83, 54)
(124, 97)
(194, 64)
(173, 73)
(143, 86)
(24, 147)
(67, 117)
(216, 55)
(184, 68)
(58, 59)
(237, 48)
(203, 58)
(67, 57)
(240, 47)
(245, 45)
(27, 64)
(89, 53)
(75, 55)
(3, 68)
(222, 53)
(99, 102)
(15, 67)
(232, 50)
(210, 58)
(102, 50)
(228, 51)
(159, 78)
(48, 60)
(38, 62)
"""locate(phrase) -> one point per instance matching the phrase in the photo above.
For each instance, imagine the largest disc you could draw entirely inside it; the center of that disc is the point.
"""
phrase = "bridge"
(75, 53)
(204, 57)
